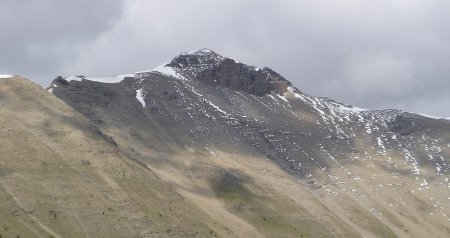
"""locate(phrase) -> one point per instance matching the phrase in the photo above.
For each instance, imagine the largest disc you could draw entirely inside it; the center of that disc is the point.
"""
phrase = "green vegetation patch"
(262, 212)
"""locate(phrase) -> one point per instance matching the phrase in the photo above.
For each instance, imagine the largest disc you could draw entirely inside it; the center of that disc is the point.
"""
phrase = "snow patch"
(73, 78)
(50, 89)
(116, 79)
(5, 76)
(140, 97)
(167, 70)
(235, 61)
(281, 97)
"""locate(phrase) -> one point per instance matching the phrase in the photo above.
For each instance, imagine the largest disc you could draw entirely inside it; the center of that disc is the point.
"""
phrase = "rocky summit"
(206, 146)
(211, 68)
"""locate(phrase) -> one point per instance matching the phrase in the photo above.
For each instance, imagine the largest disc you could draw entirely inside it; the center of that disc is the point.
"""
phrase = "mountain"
(206, 146)
(287, 163)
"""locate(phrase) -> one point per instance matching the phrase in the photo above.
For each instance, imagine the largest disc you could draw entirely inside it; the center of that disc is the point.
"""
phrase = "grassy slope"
(233, 192)
(61, 177)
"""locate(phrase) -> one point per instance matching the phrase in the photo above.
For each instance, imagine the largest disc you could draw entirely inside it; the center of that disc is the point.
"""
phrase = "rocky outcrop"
(213, 69)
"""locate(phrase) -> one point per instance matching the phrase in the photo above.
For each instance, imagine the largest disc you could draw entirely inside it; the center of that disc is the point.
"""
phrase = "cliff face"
(215, 70)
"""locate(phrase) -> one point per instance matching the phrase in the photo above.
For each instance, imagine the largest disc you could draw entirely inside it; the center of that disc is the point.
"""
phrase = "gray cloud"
(38, 37)
(375, 54)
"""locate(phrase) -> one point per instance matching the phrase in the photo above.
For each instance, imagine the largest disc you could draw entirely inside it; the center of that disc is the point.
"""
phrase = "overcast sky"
(372, 54)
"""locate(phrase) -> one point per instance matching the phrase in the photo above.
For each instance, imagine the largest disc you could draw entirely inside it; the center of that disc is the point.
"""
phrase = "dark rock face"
(213, 69)
(404, 125)
(60, 80)
(238, 77)
(197, 61)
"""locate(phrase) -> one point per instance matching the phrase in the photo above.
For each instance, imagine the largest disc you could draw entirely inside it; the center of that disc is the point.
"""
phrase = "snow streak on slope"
(140, 97)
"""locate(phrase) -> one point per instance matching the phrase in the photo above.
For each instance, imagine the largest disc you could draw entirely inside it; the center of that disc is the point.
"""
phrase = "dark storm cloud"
(376, 54)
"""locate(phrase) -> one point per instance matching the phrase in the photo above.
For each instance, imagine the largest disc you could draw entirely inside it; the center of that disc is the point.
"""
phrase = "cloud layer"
(375, 54)
(39, 37)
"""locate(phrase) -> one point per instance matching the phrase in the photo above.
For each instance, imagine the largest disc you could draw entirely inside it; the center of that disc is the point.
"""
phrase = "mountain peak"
(204, 51)
(213, 69)
(196, 60)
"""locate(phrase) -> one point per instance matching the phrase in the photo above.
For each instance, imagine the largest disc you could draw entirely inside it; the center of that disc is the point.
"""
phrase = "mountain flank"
(60, 176)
